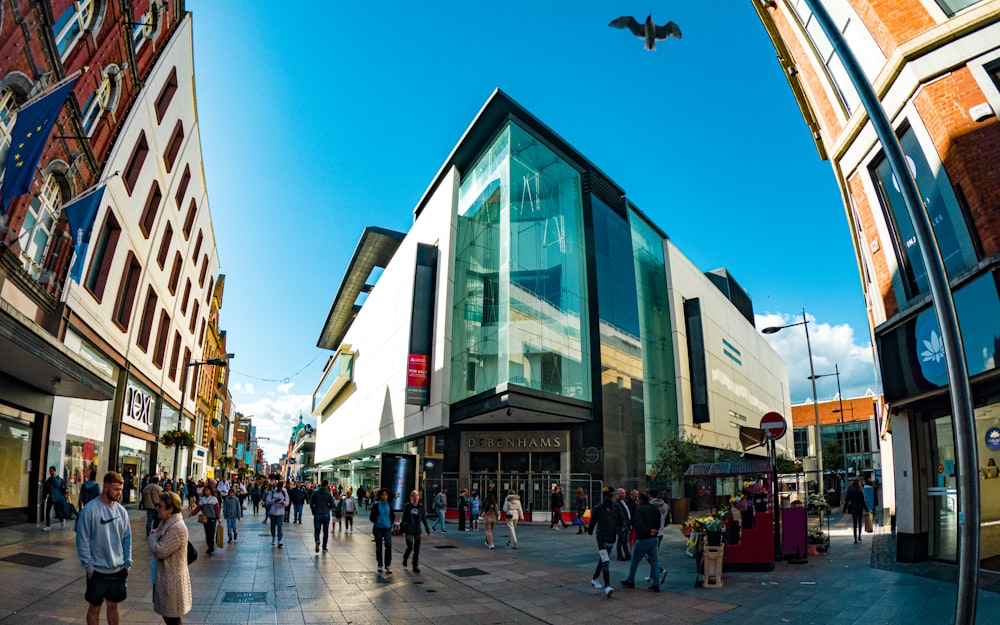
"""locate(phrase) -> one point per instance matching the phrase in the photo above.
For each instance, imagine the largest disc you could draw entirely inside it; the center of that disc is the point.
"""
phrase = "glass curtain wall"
(660, 400)
(520, 289)
(15, 454)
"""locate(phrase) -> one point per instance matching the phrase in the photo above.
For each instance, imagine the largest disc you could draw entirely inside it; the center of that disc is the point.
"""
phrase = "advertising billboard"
(398, 475)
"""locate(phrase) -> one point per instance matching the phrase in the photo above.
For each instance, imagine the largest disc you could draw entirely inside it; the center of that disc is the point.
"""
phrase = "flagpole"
(52, 88)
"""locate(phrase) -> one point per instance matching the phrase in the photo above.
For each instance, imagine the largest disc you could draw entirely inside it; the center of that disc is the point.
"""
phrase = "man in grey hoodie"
(104, 545)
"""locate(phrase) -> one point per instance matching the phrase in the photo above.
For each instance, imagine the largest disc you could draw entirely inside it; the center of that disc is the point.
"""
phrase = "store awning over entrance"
(729, 469)
(39, 360)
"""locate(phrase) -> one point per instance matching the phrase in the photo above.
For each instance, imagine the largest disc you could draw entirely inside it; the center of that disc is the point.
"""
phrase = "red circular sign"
(774, 424)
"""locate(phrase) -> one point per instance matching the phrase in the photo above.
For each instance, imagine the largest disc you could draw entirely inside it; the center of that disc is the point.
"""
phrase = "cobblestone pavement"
(546, 580)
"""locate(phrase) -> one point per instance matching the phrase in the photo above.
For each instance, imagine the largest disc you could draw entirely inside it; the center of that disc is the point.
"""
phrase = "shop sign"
(138, 407)
(539, 443)
(993, 439)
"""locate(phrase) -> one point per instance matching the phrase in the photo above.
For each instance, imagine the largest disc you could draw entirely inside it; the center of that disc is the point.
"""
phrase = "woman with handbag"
(582, 503)
(338, 512)
(208, 515)
(169, 542)
(512, 508)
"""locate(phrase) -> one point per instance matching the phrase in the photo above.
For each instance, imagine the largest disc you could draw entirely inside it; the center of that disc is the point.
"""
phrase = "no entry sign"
(774, 424)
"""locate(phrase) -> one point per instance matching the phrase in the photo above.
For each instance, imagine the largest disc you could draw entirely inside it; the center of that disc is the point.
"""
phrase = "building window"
(166, 95)
(194, 316)
(197, 246)
(168, 235)
(189, 219)
(208, 293)
(127, 291)
(187, 359)
(147, 26)
(104, 255)
(104, 98)
(152, 208)
(187, 296)
(175, 273)
(204, 270)
(135, 162)
(39, 223)
(801, 442)
(945, 214)
(183, 186)
(161, 339)
(174, 355)
(951, 7)
(148, 314)
(8, 113)
(72, 23)
(174, 147)
(201, 333)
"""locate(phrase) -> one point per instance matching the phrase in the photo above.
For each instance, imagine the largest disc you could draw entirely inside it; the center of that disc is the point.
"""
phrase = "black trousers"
(412, 545)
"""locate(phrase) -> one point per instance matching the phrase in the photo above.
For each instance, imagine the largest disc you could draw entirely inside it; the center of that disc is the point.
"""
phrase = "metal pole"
(819, 441)
(944, 309)
(843, 431)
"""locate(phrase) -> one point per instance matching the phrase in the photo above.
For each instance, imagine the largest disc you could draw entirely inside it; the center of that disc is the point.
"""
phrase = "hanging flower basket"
(181, 438)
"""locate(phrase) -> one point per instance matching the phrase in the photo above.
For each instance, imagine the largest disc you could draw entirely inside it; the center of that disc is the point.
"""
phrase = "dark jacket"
(557, 499)
(321, 501)
(626, 511)
(646, 521)
(297, 495)
(855, 501)
(413, 516)
(607, 520)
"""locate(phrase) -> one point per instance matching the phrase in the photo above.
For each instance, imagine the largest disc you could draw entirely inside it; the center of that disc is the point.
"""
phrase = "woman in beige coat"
(512, 508)
(168, 542)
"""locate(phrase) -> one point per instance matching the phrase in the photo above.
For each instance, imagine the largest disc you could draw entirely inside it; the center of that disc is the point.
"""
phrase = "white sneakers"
(608, 591)
(46, 529)
(596, 584)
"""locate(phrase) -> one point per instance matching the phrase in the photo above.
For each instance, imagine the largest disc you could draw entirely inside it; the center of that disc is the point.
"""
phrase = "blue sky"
(320, 119)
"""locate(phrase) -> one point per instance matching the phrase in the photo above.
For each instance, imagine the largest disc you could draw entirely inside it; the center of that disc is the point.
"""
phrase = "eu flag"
(28, 139)
(81, 213)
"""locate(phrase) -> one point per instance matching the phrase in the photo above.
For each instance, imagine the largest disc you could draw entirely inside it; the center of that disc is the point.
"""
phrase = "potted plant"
(181, 438)
(674, 458)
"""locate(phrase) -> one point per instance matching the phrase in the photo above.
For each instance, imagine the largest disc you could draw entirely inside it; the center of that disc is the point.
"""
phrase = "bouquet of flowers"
(740, 504)
(753, 488)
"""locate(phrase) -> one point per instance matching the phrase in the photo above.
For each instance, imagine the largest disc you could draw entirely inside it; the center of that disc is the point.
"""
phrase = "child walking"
(475, 505)
(232, 511)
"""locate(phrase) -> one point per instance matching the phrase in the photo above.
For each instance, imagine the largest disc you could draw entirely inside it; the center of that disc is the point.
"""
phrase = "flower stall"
(750, 510)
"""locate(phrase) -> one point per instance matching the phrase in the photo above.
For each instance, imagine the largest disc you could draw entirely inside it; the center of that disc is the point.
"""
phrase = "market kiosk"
(756, 545)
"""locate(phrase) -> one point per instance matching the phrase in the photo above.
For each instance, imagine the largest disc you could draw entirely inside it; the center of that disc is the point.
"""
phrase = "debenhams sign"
(515, 441)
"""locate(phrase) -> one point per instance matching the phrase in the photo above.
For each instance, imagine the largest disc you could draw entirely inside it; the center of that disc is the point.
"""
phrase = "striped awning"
(754, 466)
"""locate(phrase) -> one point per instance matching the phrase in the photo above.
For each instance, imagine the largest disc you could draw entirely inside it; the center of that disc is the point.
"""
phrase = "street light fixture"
(840, 398)
(218, 362)
(812, 377)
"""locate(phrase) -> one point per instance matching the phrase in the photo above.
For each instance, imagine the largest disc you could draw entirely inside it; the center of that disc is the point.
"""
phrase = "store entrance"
(530, 474)
(942, 494)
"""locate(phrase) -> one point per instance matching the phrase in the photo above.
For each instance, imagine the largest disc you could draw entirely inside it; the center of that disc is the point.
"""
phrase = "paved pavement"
(546, 580)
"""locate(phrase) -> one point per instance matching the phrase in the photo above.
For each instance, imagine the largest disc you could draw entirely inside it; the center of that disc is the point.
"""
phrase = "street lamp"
(219, 362)
(812, 376)
(840, 398)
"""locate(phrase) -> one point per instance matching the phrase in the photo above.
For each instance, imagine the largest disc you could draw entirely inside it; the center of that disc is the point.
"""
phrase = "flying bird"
(648, 30)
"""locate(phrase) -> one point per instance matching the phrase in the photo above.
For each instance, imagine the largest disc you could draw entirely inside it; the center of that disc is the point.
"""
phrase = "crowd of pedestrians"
(627, 524)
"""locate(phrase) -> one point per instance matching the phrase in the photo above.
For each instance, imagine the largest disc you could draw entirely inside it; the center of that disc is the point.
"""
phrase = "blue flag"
(81, 213)
(28, 139)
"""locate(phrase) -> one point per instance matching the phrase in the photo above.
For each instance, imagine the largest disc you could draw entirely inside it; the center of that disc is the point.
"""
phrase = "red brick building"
(935, 66)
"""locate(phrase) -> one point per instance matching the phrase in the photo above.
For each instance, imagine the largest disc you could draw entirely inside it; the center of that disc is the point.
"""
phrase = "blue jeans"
(439, 520)
(298, 512)
(383, 539)
(277, 522)
(321, 521)
(646, 547)
(231, 527)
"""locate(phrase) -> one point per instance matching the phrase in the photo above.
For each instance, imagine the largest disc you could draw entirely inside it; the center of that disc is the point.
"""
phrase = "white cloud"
(832, 346)
(248, 388)
(274, 419)
(287, 386)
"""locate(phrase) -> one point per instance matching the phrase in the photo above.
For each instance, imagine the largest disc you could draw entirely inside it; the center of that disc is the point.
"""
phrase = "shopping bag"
(219, 536)
(868, 523)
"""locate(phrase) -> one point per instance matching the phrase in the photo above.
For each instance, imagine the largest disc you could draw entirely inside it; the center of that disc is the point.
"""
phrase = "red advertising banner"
(417, 379)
